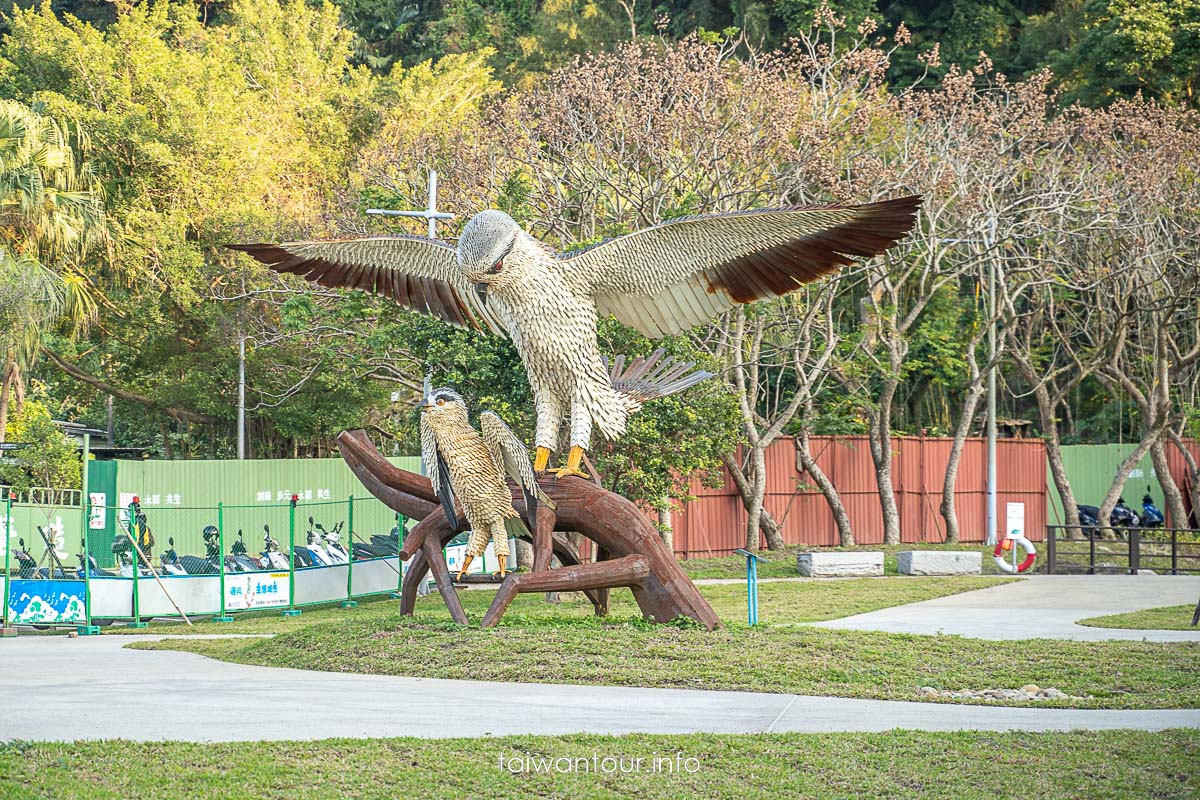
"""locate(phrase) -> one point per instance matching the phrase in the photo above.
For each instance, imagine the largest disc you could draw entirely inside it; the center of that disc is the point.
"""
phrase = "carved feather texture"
(670, 277)
(661, 280)
(476, 466)
(421, 274)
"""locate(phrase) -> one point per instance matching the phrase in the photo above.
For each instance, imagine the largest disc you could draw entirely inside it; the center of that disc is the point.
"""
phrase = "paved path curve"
(1042, 607)
(92, 688)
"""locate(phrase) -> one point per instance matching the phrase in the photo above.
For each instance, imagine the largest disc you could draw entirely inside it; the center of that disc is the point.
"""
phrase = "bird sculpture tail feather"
(650, 377)
(515, 527)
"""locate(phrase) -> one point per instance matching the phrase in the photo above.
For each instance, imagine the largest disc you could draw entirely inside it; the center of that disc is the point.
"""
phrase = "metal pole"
(137, 568)
(223, 615)
(291, 610)
(85, 507)
(400, 564)
(349, 601)
(991, 388)
(241, 410)
(8, 501)
(432, 204)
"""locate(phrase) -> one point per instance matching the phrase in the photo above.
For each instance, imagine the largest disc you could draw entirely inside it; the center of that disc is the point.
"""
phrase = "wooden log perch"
(632, 553)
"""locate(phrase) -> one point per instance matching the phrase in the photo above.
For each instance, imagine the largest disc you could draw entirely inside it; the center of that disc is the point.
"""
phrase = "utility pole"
(241, 411)
(990, 243)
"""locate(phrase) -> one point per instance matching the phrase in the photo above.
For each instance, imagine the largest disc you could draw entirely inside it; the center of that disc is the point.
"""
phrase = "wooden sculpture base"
(629, 551)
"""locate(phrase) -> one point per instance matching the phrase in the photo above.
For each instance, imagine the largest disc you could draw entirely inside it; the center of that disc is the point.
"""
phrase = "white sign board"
(1015, 525)
(256, 590)
(97, 513)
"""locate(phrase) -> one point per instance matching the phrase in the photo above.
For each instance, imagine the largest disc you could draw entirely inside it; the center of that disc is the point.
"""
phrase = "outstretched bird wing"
(670, 277)
(439, 473)
(422, 274)
(512, 459)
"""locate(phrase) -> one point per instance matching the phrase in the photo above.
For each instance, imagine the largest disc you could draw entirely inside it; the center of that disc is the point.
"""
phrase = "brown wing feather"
(669, 277)
(421, 274)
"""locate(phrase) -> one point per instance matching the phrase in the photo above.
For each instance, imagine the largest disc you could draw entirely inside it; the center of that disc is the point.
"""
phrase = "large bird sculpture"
(472, 466)
(661, 280)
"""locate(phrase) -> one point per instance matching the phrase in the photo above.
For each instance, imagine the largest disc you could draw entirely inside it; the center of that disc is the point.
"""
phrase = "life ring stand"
(1005, 544)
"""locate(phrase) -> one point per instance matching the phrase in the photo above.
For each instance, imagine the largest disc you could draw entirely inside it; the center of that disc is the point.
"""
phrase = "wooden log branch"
(619, 529)
(624, 571)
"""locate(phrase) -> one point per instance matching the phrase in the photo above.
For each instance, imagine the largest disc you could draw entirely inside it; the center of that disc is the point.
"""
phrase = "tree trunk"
(664, 525)
(1058, 472)
(1118, 483)
(1172, 497)
(967, 414)
(840, 518)
(766, 522)
(881, 454)
(6, 380)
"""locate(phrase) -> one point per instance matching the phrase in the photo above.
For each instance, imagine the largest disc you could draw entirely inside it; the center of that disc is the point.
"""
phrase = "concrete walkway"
(91, 688)
(1039, 607)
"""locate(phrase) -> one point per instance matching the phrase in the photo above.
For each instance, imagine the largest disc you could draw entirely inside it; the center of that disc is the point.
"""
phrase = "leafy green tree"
(51, 214)
(1130, 46)
(50, 459)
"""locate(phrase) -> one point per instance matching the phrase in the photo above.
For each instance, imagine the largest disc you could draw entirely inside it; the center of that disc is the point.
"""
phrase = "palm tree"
(51, 216)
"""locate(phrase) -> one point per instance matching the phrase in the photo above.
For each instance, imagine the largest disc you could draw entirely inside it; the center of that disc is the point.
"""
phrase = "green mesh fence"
(206, 562)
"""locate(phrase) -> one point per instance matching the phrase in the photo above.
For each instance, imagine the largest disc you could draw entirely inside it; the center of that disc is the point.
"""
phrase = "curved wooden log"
(434, 529)
(662, 590)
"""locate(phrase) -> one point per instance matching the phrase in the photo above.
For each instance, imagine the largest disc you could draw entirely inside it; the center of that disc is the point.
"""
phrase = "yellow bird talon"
(463, 569)
(574, 460)
(541, 459)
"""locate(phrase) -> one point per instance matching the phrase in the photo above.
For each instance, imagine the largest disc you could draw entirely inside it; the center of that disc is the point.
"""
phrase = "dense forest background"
(1054, 141)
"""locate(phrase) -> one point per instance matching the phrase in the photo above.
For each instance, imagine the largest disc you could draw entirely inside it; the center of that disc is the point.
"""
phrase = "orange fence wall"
(715, 523)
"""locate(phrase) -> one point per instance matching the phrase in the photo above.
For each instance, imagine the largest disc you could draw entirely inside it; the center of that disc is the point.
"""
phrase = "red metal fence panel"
(714, 523)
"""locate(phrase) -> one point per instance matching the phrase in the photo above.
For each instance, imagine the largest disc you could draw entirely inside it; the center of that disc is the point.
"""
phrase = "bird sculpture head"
(444, 405)
(494, 252)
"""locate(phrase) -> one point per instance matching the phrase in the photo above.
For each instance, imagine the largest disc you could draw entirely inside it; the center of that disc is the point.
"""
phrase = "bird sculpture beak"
(481, 290)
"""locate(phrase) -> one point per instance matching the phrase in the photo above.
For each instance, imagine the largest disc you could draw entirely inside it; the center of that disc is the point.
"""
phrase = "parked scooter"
(94, 570)
(26, 566)
(333, 547)
(272, 555)
(1151, 516)
(316, 554)
(386, 545)
(169, 560)
(1122, 516)
(242, 561)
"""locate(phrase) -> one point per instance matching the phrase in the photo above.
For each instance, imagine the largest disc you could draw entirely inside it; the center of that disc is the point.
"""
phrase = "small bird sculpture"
(472, 466)
(661, 280)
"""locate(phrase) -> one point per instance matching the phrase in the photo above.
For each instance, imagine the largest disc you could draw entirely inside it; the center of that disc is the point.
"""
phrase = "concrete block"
(851, 564)
(939, 562)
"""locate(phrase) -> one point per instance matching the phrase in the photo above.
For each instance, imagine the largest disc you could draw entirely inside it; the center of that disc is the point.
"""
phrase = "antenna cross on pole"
(431, 214)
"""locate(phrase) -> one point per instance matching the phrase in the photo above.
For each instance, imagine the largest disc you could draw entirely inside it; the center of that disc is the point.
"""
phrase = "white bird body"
(554, 331)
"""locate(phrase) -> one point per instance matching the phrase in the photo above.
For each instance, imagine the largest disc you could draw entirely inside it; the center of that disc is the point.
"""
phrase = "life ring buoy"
(1003, 564)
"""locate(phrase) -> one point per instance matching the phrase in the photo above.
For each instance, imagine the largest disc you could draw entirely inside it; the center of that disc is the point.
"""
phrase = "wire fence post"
(222, 616)
(291, 610)
(396, 595)
(137, 567)
(87, 629)
(7, 629)
(349, 602)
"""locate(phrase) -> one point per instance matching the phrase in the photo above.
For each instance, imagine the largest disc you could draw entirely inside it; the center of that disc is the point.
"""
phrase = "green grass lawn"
(898, 764)
(784, 603)
(539, 642)
(782, 563)
(1168, 618)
